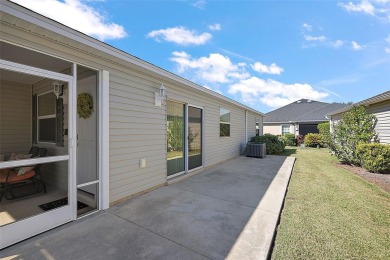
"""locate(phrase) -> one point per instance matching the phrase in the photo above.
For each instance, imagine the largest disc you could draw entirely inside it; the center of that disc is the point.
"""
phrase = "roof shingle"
(303, 110)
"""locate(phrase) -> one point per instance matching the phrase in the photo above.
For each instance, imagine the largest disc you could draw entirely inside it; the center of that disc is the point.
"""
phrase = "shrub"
(273, 144)
(324, 131)
(355, 127)
(289, 139)
(299, 139)
(374, 157)
(313, 140)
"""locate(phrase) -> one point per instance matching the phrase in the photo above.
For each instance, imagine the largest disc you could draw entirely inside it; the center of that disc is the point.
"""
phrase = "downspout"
(246, 126)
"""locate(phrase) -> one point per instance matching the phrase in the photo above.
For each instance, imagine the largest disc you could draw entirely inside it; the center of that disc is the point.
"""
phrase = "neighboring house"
(300, 117)
(145, 126)
(379, 106)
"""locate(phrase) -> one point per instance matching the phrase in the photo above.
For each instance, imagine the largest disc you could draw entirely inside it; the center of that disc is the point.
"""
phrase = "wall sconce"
(58, 89)
(159, 97)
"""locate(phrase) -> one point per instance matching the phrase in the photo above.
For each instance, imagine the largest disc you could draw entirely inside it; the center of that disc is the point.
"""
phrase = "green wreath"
(84, 105)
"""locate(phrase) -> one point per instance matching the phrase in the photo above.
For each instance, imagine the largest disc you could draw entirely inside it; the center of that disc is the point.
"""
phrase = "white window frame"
(226, 123)
(44, 117)
(289, 129)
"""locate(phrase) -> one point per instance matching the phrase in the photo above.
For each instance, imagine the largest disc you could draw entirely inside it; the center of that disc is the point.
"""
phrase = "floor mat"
(60, 203)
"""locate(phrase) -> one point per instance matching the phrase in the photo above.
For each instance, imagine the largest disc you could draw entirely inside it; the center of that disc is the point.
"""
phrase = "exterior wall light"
(58, 89)
(159, 97)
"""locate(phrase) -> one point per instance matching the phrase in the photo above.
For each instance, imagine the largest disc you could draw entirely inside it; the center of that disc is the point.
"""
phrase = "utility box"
(255, 150)
(142, 163)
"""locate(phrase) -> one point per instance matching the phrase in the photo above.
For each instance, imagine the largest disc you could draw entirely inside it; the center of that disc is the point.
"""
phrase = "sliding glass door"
(194, 137)
(184, 138)
(175, 138)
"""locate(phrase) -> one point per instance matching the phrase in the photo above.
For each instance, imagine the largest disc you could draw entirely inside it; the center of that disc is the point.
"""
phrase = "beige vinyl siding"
(137, 130)
(251, 125)
(15, 118)
(382, 112)
(137, 127)
(334, 120)
(261, 128)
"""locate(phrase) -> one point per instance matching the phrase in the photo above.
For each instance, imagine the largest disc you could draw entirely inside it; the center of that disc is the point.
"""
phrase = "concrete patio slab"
(228, 211)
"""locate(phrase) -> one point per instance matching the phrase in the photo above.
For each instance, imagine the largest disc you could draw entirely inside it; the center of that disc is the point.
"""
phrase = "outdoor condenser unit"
(255, 150)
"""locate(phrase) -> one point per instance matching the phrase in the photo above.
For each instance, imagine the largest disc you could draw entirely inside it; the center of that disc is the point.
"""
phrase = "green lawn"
(174, 154)
(330, 213)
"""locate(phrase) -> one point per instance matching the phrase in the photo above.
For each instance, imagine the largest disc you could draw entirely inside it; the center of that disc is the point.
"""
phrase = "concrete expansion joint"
(213, 197)
(167, 238)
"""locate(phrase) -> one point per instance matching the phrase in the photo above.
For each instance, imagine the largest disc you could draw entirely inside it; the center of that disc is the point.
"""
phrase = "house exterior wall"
(276, 129)
(137, 127)
(381, 111)
(15, 117)
(251, 125)
(216, 148)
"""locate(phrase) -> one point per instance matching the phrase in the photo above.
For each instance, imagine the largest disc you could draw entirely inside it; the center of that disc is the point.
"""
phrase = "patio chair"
(10, 180)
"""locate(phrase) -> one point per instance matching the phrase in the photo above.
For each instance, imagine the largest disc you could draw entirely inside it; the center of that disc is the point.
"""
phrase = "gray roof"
(369, 101)
(303, 110)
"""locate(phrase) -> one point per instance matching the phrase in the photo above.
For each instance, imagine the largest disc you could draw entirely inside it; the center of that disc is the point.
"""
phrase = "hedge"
(374, 157)
(289, 139)
(313, 140)
(273, 144)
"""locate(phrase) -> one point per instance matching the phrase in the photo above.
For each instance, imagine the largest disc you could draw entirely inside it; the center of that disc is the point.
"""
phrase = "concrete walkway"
(228, 211)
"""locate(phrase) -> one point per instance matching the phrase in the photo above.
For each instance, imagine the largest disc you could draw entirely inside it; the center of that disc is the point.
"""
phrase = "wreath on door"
(84, 105)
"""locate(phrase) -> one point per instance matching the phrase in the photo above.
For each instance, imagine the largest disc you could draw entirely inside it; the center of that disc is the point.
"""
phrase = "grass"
(174, 154)
(330, 213)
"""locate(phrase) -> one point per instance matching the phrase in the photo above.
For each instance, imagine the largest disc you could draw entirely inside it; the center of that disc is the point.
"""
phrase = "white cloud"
(219, 73)
(199, 4)
(77, 15)
(180, 35)
(273, 93)
(315, 38)
(377, 8)
(364, 6)
(272, 69)
(356, 46)
(215, 27)
(213, 69)
(307, 27)
(320, 40)
(387, 49)
(337, 44)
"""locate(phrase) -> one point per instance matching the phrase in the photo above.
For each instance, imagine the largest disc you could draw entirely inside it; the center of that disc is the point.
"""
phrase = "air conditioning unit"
(255, 150)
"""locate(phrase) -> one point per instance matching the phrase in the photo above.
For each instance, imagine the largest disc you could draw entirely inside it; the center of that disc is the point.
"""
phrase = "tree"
(175, 134)
(356, 126)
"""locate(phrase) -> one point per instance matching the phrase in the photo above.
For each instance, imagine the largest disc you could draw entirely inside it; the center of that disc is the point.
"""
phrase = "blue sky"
(264, 54)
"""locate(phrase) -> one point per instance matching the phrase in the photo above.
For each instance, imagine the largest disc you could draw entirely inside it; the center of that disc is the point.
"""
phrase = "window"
(257, 127)
(46, 109)
(285, 129)
(224, 122)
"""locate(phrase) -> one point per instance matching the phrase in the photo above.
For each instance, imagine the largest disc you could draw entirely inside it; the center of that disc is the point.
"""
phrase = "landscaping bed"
(331, 213)
(382, 180)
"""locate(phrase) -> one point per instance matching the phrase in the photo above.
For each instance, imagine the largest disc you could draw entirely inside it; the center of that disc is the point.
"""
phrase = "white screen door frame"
(20, 230)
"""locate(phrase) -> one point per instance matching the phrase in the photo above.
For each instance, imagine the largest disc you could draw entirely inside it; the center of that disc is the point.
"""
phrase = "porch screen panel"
(34, 184)
(175, 137)
(194, 137)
